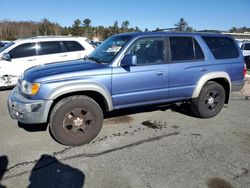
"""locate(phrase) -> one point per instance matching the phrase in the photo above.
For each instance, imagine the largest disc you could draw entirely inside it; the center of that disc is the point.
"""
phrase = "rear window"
(222, 47)
(71, 46)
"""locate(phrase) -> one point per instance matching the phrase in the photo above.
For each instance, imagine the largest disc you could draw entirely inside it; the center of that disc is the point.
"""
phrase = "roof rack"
(49, 36)
(165, 29)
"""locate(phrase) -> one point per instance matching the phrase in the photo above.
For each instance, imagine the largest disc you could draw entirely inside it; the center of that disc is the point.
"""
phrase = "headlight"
(29, 88)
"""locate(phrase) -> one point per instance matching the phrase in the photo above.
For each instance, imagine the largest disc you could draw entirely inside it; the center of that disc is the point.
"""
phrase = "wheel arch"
(219, 77)
(98, 93)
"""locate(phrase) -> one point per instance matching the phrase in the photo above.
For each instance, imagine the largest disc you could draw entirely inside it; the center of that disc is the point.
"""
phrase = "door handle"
(160, 73)
(203, 69)
(32, 59)
(64, 55)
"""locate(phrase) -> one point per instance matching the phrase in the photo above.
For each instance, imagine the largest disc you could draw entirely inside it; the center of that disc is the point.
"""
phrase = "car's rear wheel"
(76, 120)
(210, 101)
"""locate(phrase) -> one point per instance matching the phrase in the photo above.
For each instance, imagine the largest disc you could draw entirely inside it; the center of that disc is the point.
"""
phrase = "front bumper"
(28, 111)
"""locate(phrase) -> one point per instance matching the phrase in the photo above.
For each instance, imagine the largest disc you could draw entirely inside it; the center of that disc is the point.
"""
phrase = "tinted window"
(148, 50)
(71, 46)
(181, 48)
(247, 46)
(23, 50)
(222, 47)
(50, 48)
(185, 49)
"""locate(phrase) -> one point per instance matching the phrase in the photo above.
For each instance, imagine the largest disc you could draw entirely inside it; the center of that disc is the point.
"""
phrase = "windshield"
(108, 50)
(6, 46)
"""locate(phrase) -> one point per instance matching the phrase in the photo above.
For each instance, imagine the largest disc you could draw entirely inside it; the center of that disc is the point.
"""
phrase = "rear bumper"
(28, 111)
(237, 85)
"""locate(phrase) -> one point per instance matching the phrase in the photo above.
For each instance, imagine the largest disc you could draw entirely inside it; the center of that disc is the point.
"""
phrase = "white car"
(3, 43)
(245, 47)
(19, 55)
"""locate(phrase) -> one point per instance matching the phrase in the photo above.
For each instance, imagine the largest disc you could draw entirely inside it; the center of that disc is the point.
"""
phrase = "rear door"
(73, 50)
(187, 65)
(145, 83)
(51, 51)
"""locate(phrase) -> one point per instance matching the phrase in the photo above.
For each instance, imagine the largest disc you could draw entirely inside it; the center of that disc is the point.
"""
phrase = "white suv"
(245, 47)
(19, 55)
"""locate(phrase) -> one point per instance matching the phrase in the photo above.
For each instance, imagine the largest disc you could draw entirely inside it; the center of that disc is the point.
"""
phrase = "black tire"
(210, 101)
(76, 120)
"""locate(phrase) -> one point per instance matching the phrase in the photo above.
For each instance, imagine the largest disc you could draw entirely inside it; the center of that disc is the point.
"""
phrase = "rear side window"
(185, 49)
(71, 46)
(222, 47)
(50, 48)
(23, 50)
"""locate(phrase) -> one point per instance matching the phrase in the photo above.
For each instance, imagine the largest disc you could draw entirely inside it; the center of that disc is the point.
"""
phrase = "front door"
(22, 57)
(145, 83)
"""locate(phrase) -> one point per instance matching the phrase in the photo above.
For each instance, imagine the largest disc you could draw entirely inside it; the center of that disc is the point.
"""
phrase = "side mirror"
(6, 57)
(129, 60)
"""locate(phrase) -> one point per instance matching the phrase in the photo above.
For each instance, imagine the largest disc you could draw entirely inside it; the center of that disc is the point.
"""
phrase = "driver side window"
(148, 50)
(23, 50)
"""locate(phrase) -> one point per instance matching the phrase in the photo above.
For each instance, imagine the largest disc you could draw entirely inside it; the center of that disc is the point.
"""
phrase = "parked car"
(128, 70)
(95, 43)
(19, 55)
(245, 47)
(247, 61)
(3, 43)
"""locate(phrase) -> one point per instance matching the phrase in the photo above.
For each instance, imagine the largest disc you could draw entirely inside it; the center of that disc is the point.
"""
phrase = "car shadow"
(182, 108)
(49, 172)
(3, 167)
(7, 88)
(33, 127)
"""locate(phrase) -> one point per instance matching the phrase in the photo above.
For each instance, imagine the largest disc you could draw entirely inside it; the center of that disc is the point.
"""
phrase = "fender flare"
(210, 76)
(81, 87)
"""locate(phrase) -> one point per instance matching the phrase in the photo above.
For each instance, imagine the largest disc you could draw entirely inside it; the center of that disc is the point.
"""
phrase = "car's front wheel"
(76, 120)
(210, 101)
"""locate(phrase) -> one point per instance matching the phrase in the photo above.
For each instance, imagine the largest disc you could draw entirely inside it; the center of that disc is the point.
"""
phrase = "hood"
(65, 70)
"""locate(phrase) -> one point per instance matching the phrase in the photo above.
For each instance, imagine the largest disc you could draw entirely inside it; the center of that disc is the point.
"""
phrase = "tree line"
(84, 28)
(11, 30)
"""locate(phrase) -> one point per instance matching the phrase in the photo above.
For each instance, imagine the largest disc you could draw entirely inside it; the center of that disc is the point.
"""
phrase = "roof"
(134, 34)
(50, 37)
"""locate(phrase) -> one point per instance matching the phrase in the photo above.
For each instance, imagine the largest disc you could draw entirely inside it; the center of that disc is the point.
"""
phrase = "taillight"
(244, 70)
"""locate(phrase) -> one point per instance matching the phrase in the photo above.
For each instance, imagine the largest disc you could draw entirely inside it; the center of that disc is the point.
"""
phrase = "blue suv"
(127, 70)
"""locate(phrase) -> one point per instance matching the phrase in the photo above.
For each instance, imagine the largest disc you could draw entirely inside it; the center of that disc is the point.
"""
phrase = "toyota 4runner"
(127, 70)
